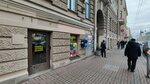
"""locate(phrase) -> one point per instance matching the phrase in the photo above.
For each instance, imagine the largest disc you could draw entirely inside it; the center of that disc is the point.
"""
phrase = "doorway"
(38, 51)
(100, 27)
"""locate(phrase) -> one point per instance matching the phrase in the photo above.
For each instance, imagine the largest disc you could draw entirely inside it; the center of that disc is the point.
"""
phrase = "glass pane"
(69, 4)
(87, 11)
(73, 45)
(38, 48)
(73, 5)
(87, 1)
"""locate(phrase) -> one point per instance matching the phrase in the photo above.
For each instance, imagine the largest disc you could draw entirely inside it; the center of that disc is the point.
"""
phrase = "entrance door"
(38, 51)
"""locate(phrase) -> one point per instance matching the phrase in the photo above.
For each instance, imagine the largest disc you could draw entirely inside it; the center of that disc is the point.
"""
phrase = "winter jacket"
(132, 50)
(103, 46)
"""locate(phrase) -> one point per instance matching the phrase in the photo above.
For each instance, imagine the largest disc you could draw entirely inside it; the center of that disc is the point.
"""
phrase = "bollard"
(148, 65)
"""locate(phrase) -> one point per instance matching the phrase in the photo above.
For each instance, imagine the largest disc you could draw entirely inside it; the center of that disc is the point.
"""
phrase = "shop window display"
(73, 45)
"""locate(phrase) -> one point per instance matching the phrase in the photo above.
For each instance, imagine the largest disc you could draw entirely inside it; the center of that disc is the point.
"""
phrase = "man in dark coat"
(118, 44)
(132, 51)
(122, 43)
(103, 48)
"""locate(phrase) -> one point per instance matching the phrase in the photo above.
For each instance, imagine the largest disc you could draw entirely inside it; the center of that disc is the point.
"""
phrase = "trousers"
(103, 52)
(132, 63)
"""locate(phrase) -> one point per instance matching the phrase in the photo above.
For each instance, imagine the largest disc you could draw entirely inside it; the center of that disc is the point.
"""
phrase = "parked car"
(146, 48)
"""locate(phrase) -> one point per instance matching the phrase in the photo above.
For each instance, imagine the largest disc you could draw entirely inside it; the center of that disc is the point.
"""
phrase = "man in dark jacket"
(103, 48)
(132, 51)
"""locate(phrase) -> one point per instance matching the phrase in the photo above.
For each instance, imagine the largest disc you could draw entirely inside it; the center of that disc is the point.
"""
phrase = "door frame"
(48, 49)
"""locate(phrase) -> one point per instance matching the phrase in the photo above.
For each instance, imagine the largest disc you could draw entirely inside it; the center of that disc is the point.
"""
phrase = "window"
(87, 9)
(121, 2)
(120, 14)
(72, 5)
(110, 23)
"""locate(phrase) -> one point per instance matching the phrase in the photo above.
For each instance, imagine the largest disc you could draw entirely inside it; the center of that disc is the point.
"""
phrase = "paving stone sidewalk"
(96, 70)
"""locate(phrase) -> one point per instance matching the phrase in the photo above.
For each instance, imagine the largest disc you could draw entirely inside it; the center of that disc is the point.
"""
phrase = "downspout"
(118, 34)
(95, 27)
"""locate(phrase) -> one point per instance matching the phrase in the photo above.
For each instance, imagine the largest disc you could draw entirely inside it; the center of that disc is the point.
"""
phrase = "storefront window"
(73, 45)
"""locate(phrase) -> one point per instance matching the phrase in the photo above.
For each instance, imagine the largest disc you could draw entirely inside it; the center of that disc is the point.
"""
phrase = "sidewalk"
(96, 70)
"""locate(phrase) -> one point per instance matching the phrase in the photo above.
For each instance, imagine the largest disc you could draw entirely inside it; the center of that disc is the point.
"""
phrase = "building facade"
(122, 19)
(101, 21)
(112, 24)
(107, 21)
(37, 35)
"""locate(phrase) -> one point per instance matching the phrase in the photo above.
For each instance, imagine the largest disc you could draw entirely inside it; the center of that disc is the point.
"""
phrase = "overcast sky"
(138, 15)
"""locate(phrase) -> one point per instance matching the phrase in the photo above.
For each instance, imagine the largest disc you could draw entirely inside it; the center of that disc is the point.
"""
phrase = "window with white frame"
(72, 5)
(87, 9)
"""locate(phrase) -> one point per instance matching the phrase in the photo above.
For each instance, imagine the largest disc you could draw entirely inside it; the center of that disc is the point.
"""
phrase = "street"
(96, 70)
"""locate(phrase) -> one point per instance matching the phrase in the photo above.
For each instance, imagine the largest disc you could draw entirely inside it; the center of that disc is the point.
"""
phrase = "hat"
(133, 39)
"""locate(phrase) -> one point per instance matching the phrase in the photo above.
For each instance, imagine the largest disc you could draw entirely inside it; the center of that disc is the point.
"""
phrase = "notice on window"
(38, 48)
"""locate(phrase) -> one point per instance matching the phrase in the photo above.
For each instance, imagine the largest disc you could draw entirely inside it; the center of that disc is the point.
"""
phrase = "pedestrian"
(132, 51)
(103, 48)
(118, 44)
(122, 44)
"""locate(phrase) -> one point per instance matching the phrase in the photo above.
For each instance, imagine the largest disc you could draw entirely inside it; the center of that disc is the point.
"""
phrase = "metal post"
(148, 66)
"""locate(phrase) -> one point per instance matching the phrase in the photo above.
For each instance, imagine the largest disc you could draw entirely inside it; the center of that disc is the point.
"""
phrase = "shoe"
(132, 70)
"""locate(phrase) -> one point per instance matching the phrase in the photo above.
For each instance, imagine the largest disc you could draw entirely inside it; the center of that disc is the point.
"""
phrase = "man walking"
(103, 48)
(118, 44)
(132, 51)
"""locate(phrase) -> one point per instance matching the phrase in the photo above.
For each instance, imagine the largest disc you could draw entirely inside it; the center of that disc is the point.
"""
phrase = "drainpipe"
(95, 27)
(118, 20)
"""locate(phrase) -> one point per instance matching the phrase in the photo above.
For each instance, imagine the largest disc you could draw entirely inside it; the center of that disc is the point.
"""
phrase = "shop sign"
(38, 48)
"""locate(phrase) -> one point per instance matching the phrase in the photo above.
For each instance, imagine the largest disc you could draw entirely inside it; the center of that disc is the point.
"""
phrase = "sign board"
(38, 48)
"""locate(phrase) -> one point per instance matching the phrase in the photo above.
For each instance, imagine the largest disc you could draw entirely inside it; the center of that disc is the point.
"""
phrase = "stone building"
(37, 35)
(101, 21)
(122, 19)
(112, 24)
(107, 22)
